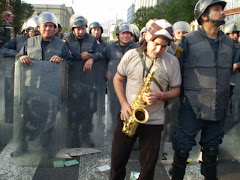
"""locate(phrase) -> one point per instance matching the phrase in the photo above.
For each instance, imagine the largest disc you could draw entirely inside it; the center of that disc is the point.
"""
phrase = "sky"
(104, 11)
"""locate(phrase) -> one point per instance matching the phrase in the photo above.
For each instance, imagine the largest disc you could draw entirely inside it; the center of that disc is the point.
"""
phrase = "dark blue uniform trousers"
(189, 126)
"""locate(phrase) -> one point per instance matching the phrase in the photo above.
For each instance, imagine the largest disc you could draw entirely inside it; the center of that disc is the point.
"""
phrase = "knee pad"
(180, 158)
(209, 156)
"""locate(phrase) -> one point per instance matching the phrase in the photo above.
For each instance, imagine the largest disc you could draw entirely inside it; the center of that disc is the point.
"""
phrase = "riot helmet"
(2, 31)
(47, 17)
(202, 6)
(123, 27)
(135, 32)
(144, 29)
(78, 20)
(59, 23)
(181, 26)
(23, 28)
(230, 28)
(94, 25)
(31, 22)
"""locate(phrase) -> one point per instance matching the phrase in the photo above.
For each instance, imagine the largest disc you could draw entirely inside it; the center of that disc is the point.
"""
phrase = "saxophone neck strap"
(146, 69)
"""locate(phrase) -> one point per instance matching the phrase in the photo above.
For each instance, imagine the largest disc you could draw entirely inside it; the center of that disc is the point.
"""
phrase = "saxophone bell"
(141, 115)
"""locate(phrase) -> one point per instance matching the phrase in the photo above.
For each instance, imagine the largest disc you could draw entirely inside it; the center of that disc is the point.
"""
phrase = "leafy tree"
(142, 16)
(179, 10)
(21, 12)
(174, 10)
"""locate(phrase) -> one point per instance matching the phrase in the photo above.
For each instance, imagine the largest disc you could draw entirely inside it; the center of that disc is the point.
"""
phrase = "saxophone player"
(135, 65)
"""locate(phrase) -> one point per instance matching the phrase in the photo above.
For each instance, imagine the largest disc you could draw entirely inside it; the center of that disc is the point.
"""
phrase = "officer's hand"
(126, 111)
(88, 65)
(56, 59)
(235, 68)
(152, 96)
(26, 60)
(86, 55)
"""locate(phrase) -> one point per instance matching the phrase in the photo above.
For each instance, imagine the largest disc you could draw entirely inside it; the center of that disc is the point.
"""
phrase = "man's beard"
(80, 37)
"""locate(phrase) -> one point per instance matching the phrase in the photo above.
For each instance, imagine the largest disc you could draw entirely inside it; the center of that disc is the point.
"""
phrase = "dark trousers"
(149, 142)
(189, 126)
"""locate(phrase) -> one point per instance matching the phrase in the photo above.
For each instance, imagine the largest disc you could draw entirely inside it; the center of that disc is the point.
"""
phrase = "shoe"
(22, 149)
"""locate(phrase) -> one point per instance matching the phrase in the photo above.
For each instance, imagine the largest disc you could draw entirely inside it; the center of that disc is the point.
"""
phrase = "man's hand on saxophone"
(152, 96)
(126, 111)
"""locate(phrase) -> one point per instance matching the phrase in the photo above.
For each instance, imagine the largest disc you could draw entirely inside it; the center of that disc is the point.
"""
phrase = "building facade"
(147, 3)
(62, 12)
(232, 9)
(130, 13)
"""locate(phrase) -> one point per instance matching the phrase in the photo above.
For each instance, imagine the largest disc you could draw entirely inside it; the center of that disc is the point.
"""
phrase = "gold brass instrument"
(139, 113)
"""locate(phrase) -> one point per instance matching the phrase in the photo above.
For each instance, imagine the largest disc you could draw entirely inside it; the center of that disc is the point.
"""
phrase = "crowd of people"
(195, 66)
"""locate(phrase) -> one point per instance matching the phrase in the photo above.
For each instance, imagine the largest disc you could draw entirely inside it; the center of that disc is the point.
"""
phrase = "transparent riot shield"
(40, 96)
(229, 147)
(86, 106)
(6, 98)
(113, 105)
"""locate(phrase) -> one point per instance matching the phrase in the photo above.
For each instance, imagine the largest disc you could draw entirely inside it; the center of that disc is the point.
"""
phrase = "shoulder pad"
(179, 51)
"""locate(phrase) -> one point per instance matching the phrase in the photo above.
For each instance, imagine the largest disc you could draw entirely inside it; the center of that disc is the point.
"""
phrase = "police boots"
(209, 164)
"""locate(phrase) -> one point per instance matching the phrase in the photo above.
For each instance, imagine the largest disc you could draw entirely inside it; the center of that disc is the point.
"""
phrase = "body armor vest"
(87, 44)
(34, 48)
(21, 39)
(116, 52)
(206, 78)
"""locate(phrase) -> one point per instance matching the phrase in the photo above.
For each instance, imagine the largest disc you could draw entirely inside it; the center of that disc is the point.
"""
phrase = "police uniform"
(114, 53)
(82, 97)
(36, 49)
(206, 66)
(3, 40)
(11, 48)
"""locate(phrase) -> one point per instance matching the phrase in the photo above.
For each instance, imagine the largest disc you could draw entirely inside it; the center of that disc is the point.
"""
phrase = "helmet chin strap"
(219, 22)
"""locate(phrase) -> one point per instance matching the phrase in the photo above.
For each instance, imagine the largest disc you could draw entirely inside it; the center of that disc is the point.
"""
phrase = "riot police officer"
(11, 48)
(142, 33)
(42, 47)
(95, 29)
(231, 29)
(3, 39)
(82, 90)
(135, 33)
(179, 29)
(206, 57)
(113, 53)
(58, 30)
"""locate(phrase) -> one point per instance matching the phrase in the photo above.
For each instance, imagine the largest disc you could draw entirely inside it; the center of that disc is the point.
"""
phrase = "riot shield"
(40, 96)
(86, 105)
(230, 145)
(6, 92)
(113, 105)
(6, 98)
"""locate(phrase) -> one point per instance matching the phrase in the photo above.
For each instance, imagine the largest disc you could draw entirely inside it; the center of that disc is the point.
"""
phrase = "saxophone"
(139, 113)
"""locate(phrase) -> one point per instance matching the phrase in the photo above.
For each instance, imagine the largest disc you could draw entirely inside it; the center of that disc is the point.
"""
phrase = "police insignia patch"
(179, 51)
